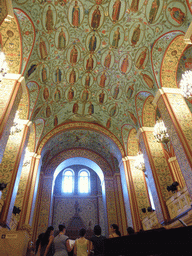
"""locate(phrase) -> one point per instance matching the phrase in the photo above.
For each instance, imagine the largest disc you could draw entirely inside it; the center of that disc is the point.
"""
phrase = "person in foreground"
(97, 240)
(82, 245)
(46, 244)
(61, 243)
(114, 231)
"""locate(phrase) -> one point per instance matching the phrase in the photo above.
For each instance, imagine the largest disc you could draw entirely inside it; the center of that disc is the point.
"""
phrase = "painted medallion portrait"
(113, 110)
(125, 64)
(72, 75)
(108, 59)
(58, 74)
(117, 10)
(103, 79)
(43, 48)
(116, 91)
(136, 34)
(75, 13)
(57, 94)
(33, 67)
(49, 18)
(93, 42)
(102, 96)
(45, 93)
(48, 111)
(129, 90)
(90, 62)
(176, 13)
(96, 17)
(44, 73)
(147, 79)
(73, 54)
(61, 38)
(153, 10)
(85, 95)
(70, 93)
(135, 5)
(116, 36)
(141, 58)
(87, 80)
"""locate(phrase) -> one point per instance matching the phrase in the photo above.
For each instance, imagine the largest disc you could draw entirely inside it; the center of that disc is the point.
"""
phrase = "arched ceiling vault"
(92, 58)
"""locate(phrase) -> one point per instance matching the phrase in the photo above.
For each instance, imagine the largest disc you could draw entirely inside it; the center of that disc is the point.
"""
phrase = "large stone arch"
(76, 126)
(85, 153)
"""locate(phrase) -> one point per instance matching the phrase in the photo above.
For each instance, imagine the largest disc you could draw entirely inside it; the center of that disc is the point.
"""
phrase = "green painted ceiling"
(93, 57)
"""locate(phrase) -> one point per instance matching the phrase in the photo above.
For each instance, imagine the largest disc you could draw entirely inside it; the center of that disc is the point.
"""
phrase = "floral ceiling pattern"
(92, 57)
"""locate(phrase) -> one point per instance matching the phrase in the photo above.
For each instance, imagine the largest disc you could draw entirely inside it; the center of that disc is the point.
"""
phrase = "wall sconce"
(3, 66)
(2, 186)
(16, 210)
(139, 162)
(160, 132)
(16, 128)
(173, 187)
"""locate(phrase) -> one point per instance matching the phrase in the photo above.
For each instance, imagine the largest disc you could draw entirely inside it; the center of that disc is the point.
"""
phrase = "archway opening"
(73, 204)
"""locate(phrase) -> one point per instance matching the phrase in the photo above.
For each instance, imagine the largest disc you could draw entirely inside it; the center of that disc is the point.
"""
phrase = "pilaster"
(178, 121)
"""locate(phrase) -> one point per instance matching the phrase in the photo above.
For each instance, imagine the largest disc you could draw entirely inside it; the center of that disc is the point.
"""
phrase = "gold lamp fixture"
(160, 132)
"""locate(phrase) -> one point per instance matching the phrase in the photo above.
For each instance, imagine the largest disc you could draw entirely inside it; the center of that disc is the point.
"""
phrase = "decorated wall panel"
(149, 113)
(140, 189)
(64, 211)
(10, 42)
(160, 164)
(7, 87)
(133, 146)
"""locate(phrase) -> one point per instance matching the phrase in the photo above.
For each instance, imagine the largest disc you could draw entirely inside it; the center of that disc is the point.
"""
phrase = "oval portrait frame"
(121, 40)
(123, 7)
(88, 38)
(70, 12)
(57, 35)
(44, 16)
(69, 51)
(167, 14)
(102, 16)
(147, 10)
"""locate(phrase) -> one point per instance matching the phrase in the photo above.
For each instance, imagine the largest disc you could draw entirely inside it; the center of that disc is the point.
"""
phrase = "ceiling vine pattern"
(92, 57)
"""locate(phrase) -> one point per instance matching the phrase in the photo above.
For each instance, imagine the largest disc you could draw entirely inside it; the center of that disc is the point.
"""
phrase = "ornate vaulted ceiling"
(91, 60)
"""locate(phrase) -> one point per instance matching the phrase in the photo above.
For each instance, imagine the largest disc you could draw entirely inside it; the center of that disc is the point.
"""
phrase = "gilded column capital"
(165, 90)
(171, 159)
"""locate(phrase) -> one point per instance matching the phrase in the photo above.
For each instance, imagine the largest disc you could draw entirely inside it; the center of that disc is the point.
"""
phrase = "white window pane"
(83, 185)
(68, 182)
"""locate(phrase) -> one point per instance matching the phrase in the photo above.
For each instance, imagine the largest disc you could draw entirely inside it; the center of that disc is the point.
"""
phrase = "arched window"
(68, 181)
(84, 181)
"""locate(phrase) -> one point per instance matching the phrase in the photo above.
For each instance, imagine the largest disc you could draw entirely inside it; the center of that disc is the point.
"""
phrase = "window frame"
(88, 181)
(63, 180)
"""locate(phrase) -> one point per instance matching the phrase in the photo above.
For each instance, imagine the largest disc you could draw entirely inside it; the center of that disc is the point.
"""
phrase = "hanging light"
(186, 84)
(160, 132)
(139, 162)
(3, 66)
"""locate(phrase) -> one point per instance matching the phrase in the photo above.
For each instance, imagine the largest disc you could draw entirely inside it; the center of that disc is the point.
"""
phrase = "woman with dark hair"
(61, 243)
(46, 243)
(82, 247)
(114, 231)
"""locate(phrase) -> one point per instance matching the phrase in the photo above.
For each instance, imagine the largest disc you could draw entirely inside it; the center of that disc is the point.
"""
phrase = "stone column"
(178, 121)
(30, 192)
(136, 222)
(157, 170)
(10, 95)
(120, 204)
(13, 180)
(45, 204)
(110, 201)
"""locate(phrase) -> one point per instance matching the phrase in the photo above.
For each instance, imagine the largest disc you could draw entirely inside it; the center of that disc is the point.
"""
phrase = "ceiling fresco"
(91, 58)
(82, 139)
